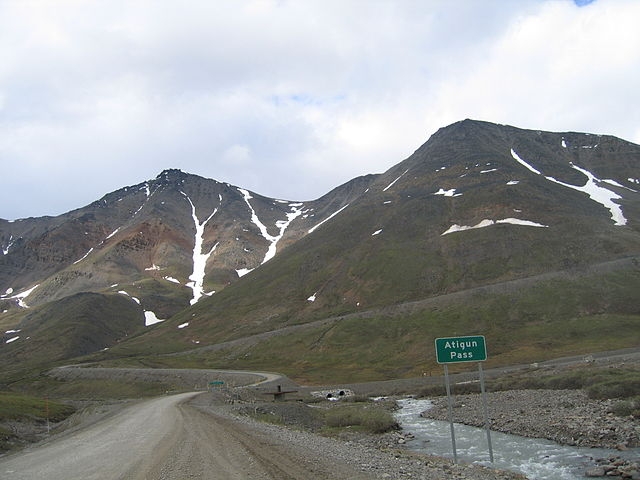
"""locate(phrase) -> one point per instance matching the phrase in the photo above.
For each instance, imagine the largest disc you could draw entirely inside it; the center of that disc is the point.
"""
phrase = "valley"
(527, 237)
(210, 434)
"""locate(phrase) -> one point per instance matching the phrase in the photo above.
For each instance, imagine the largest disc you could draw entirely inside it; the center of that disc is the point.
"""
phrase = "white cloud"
(560, 68)
(288, 98)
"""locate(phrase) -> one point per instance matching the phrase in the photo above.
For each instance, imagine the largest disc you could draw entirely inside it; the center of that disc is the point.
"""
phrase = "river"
(538, 459)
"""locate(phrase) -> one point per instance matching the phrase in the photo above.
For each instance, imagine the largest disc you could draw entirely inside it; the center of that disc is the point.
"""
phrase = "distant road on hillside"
(183, 378)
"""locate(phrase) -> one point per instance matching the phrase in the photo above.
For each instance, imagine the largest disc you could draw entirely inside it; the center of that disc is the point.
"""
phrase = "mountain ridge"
(129, 221)
(477, 204)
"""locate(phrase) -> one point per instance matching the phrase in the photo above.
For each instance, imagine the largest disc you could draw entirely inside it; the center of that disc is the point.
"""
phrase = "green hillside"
(463, 237)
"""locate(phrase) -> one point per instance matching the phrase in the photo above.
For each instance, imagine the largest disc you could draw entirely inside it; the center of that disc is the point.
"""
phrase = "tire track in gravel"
(206, 445)
(108, 449)
(168, 438)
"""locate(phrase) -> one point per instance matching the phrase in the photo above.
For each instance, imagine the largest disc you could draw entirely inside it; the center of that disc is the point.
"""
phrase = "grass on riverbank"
(621, 384)
(598, 382)
(367, 418)
(329, 418)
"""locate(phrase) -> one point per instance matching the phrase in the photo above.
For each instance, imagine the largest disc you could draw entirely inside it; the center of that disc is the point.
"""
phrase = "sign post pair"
(458, 350)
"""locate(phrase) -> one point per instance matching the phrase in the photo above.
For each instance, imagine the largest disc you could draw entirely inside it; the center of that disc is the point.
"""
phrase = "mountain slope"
(162, 245)
(481, 220)
(180, 229)
(76, 325)
(410, 237)
(399, 242)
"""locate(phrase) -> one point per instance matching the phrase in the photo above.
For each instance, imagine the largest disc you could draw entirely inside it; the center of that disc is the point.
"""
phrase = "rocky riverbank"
(379, 456)
(567, 417)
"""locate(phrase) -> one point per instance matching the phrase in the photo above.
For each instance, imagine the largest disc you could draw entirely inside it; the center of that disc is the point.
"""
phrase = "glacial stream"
(538, 459)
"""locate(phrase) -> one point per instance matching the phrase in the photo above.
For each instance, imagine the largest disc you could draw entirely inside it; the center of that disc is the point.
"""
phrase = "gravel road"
(200, 435)
(167, 438)
(113, 448)
(195, 435)
(214, 445)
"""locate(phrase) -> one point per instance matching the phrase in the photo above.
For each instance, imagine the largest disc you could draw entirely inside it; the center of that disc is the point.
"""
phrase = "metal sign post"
(485, 408)
(450, 412)
(458, 350)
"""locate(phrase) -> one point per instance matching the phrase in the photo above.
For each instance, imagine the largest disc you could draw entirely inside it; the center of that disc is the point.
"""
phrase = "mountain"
(485, 229)
(179, 235)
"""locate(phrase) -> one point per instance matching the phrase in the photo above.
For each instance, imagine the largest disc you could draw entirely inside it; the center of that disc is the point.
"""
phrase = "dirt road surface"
(169, 439)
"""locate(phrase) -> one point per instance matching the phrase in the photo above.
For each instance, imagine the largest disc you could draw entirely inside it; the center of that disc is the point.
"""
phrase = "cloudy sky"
(289, 98)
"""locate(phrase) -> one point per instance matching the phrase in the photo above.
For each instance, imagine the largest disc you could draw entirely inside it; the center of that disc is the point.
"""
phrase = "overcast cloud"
(289, 98)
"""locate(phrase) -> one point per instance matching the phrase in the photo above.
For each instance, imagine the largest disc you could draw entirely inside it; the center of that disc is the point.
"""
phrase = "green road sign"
(461, 349)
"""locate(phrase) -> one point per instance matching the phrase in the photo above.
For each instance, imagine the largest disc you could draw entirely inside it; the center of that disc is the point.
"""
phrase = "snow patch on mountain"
(599, 194)
(448, 193)
(392, 183)
(199, 258)
(150, 318)
(243, 271)
(617, 184)
(312, 229)
(148, 193)
(5, 250)
(487, 223)
(282, 225)
(123, 292)
(112, 233)
(85, 256)
(21, 296)
(523, 163)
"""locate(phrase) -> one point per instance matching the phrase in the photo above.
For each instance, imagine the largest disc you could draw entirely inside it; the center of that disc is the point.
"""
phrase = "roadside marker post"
(458, 350)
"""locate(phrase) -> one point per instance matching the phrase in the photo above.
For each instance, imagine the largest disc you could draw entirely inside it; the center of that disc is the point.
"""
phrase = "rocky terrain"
(375, 456)
(567, 417)
(564, 416)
